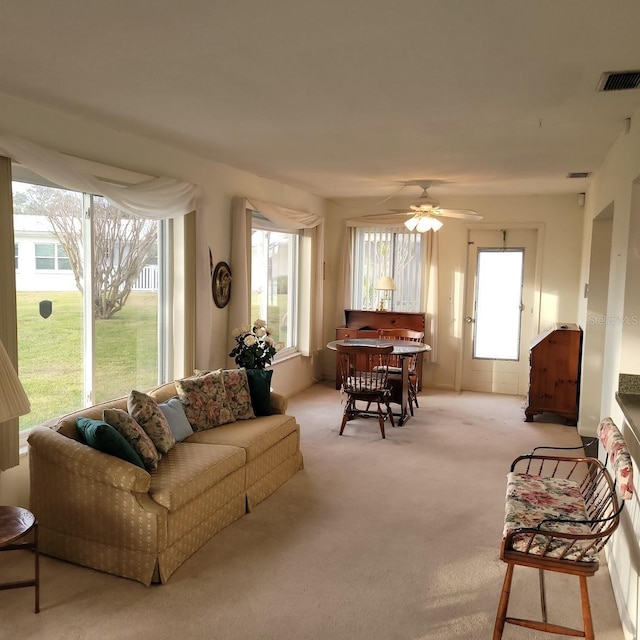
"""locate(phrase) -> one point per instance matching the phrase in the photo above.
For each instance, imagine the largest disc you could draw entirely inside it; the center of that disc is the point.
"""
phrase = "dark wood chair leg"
(501, 616)
(346, 415)
(36, 553)
(381, 420)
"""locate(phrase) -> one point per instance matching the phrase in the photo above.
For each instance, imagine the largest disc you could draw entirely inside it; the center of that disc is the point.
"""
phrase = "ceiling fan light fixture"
(412, 223)
(423, 222)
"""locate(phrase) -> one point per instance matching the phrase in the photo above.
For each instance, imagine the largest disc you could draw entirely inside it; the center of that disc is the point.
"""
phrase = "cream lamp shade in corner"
(385, 283)
(13, 399)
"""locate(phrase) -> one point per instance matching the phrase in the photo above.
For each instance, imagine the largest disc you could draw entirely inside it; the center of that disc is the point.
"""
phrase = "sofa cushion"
(145, 411)
(254, 436)
(205, 401)
(260, 390)
(103, 437)
(176, 417)
(135, 435)
(190, 469)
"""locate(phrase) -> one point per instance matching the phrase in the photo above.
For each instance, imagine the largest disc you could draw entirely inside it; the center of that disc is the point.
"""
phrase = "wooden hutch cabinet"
(360, 323)
(554, 373)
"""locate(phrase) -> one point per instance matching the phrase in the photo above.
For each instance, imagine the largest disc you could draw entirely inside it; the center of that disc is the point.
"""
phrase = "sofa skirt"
(271, 469)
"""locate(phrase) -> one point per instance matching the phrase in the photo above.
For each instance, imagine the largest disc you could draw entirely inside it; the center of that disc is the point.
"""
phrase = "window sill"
(285, 357)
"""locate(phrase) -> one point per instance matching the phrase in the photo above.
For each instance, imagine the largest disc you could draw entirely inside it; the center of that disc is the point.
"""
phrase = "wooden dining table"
(404, 349)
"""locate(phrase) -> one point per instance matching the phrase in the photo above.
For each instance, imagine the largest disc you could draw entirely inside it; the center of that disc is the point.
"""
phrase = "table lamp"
(386, 285)
(13, 399)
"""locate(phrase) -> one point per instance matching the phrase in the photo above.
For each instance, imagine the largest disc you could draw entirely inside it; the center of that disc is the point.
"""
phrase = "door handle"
(469, 320)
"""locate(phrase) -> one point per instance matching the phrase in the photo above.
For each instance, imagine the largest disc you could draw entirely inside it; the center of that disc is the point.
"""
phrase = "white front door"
(499, 310)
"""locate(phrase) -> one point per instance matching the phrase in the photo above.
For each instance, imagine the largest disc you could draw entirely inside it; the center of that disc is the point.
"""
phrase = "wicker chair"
(363, 378)
(560, 512)
(395, 365)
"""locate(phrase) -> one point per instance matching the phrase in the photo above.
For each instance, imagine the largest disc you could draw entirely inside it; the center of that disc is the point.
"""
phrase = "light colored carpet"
(375, 539)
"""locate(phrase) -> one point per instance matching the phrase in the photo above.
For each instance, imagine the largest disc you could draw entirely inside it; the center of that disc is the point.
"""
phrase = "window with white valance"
(160, 199)
(309, 277)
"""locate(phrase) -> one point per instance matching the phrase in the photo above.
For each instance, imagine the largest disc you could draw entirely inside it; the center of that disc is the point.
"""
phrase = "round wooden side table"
(16, 523)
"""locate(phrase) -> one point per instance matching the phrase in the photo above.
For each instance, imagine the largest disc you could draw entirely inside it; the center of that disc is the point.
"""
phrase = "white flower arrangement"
(255, 347)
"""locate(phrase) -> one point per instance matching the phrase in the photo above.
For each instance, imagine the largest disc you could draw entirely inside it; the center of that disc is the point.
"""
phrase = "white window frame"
(260, 223)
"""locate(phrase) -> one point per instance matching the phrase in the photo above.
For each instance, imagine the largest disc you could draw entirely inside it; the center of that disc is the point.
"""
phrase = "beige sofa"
(99, 511)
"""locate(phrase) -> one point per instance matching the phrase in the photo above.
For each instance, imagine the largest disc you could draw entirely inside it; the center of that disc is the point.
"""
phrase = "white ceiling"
(343, 97)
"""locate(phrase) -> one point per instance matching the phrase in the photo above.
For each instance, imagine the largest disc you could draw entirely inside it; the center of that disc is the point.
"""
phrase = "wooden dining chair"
(395, 364)
(363, 378)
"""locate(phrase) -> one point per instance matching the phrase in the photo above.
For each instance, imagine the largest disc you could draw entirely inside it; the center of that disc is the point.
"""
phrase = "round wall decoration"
(221, 284)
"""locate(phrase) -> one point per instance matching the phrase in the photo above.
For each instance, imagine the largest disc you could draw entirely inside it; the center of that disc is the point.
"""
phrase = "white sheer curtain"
(429, 272)
(157, 198)
(310, 338)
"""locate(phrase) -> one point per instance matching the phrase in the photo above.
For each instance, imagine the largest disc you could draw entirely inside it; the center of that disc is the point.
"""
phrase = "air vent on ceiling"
(619, 80)
(579, 174)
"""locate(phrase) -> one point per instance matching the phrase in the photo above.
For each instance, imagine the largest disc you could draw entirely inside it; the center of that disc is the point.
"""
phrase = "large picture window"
(88, 295)
(274, 280)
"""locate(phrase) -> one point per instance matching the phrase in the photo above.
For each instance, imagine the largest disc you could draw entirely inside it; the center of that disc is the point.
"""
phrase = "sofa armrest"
(78, 459)
(279, 402)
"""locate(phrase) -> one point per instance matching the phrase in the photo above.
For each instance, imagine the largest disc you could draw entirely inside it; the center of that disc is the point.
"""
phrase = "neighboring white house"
(42, 264)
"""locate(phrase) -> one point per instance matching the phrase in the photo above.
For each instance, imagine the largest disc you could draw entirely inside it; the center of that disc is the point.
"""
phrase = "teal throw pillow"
(260, 390)
(103, 437)
(173, 411)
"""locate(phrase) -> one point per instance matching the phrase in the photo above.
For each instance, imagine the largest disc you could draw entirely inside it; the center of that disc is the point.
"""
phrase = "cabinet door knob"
(469, 320)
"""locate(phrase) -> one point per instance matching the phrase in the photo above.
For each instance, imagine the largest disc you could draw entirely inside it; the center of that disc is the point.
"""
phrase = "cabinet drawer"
(343, 334)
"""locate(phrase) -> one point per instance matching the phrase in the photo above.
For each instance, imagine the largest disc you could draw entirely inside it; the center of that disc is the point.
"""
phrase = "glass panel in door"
(497, 316)
(500, 310)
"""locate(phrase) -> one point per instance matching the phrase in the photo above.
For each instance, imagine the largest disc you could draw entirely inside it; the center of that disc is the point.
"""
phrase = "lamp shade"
(385, 283)
(13, 399)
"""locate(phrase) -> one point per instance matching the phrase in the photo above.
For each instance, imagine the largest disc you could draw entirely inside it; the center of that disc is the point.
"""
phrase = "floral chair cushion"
(145, 411)
(613, 441)
(205, 401)
(532, 499)
(365, 382)
(126, 426)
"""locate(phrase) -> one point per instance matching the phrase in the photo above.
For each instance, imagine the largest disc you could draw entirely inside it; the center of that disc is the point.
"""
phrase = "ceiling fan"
(426, 210)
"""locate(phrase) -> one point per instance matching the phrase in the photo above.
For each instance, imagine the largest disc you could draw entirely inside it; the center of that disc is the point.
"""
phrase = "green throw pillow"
(103, 437)
(260, 390)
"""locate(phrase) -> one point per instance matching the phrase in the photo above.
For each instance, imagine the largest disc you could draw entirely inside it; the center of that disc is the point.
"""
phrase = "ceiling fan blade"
(462, 214)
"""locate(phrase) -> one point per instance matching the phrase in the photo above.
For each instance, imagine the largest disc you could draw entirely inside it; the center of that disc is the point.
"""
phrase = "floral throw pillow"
(135, 435)
(145, 411)
(205, 401)
(236, 384)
